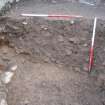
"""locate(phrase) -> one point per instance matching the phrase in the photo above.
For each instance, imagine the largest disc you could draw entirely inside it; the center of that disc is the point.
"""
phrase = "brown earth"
(52, 59)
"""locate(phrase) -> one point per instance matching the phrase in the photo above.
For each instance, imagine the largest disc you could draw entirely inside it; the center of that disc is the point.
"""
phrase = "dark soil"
(56, 55)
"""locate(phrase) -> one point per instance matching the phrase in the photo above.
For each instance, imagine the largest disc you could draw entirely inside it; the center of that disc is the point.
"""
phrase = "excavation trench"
(52, 59)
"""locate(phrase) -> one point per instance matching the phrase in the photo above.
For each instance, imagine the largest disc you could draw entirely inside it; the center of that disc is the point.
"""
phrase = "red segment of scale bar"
(62, 17)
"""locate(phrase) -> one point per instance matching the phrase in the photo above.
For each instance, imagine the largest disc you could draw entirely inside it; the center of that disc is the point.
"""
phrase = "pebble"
(13, 26)
(100, 80)
(101, 77)
(68, 52)
(11, 67)
(103, 63)
(85, 45)
(6, 77)
(74, 40)
(25, 102)
(5, 58)
(24, 23)
(44, 84)
(48, 34)
(2, 29)
(3, 102)
(77, 69)
(72, 22)
(60, 38)
(17, 0)
(44, 27)
(5, 50)
(11, 45)
(46, 59)
(85, 68)
(54, 1)
(2, 37)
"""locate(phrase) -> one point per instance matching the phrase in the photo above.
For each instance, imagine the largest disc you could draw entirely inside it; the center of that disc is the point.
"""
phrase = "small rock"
(60, 38)
(11, 45)
(83, 39)
(44, 84)
(2, 29)
(5, 50)
(46, 59)
(77, 69)
(25, 102)
(54, 1)
(85, 45)
(84, 49)
(85, 68)
(68, 52)
(53, 59)
(4, 58)
(101, 80)
(3, 92)
(44, 27)
(6, 77)
(11, 67)
(17, 0)
(24, 23)
(103, 63)
(72, 22)
(3, 102)
(101, 77)
(87, 58)
(11, 26)
(73, 40)
(2, 37)
(48, 34)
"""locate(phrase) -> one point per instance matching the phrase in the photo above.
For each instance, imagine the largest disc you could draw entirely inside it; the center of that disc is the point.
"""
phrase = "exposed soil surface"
(52, 59)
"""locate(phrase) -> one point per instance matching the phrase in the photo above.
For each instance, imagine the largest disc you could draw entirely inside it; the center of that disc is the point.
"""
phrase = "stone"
(24, 23)
(101, 77)
(2, 29)
(13, 27)
(3, 102)
(44, 84)
(103, 63)
(44, 27)
(2, 37)
(11, 45)
(5, 58)
(73, 40)
(100, 80)
(72, 22)
(68, 52)
(5, 50)
(6, 77)
(54, 1)
(85, 45)
(60, 38)
(85, 68)
(11, 67)
(77, 69)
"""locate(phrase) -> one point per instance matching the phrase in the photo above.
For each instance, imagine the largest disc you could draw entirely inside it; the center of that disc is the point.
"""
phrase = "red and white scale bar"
(91, 58)
(53, 16)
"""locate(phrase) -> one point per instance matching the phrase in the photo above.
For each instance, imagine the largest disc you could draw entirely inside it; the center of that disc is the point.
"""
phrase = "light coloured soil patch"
(43, 84)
